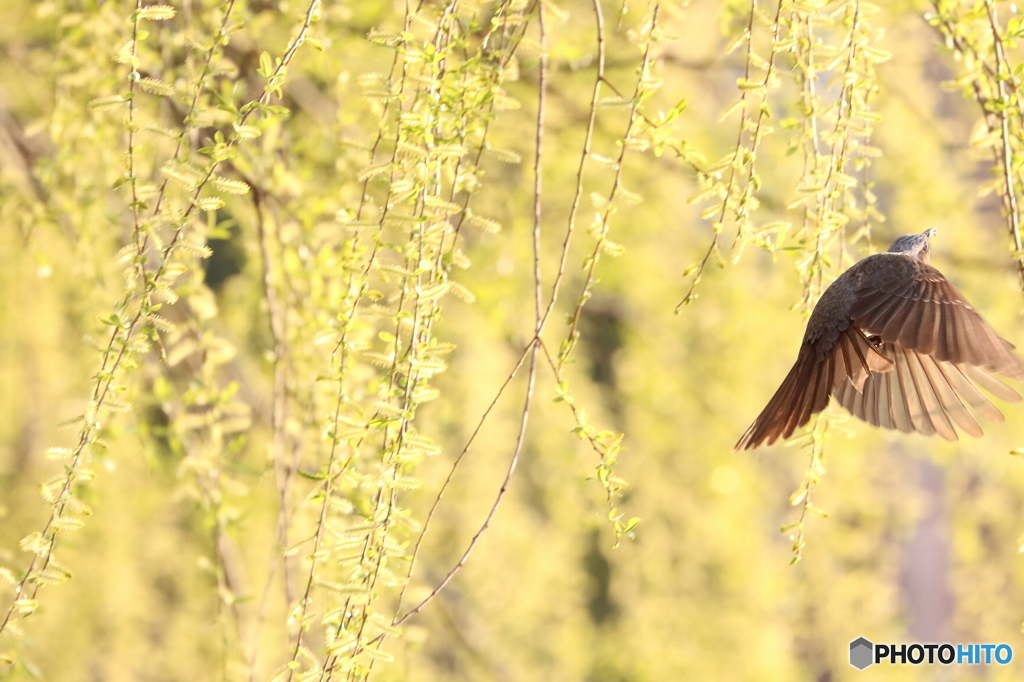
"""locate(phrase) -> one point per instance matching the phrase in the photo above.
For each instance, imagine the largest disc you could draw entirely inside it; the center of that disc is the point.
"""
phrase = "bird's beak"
(930, 232)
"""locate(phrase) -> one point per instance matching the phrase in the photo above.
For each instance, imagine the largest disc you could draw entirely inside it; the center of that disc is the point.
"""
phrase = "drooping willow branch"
(134, 321)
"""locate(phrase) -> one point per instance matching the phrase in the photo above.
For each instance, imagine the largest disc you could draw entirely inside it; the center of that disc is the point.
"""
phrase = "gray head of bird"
(914, 245)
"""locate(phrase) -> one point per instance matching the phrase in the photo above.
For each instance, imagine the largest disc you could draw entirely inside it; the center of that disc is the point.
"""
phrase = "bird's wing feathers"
(941, 351)
(918, 309)
(808, 385)
(925, 394)
(856, 359)
(803, 392)
(908, 353)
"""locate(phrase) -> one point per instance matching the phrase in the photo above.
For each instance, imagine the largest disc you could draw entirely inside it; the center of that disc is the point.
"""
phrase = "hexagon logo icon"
(861, 653)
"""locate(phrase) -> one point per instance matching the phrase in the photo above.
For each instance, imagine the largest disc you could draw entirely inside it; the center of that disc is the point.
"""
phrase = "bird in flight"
(899, 347)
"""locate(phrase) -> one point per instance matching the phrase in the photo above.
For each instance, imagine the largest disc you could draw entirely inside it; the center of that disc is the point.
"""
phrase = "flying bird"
(899, 347)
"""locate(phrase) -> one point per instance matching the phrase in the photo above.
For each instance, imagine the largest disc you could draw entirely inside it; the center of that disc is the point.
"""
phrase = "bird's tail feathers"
(805, 391)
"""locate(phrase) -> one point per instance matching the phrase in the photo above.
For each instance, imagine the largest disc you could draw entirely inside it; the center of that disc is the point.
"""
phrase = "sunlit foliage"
(383, 303)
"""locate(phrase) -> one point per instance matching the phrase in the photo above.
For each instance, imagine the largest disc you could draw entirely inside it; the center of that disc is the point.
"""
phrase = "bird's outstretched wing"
(910, 355)
(914, 306)
(941, 349)
(924, 394)
(852, 360)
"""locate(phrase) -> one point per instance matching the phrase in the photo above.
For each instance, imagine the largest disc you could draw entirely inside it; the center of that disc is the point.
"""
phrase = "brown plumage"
(898, 346)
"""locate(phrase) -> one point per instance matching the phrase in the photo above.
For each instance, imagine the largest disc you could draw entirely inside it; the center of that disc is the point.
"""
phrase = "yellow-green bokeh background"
(921, 539)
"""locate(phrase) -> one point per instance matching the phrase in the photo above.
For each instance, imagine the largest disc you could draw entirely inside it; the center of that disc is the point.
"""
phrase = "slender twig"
(278, 416)
(455, 466)
(556, 370)
(343, 346)
(999, 78)
(534, 345)
(119, 345)
(487, 412)
(197, 91)
(837, 155)
(734, 165)
(522, 358)
(99, 392)
(1010, 195)
(602, 229)
(811, 479)
(584, 156)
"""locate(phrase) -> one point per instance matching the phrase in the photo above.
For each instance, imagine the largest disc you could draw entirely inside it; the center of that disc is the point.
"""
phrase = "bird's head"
(914, 245)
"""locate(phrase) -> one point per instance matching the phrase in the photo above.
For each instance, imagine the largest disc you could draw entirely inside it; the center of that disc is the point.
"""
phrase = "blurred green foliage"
(301, 242)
